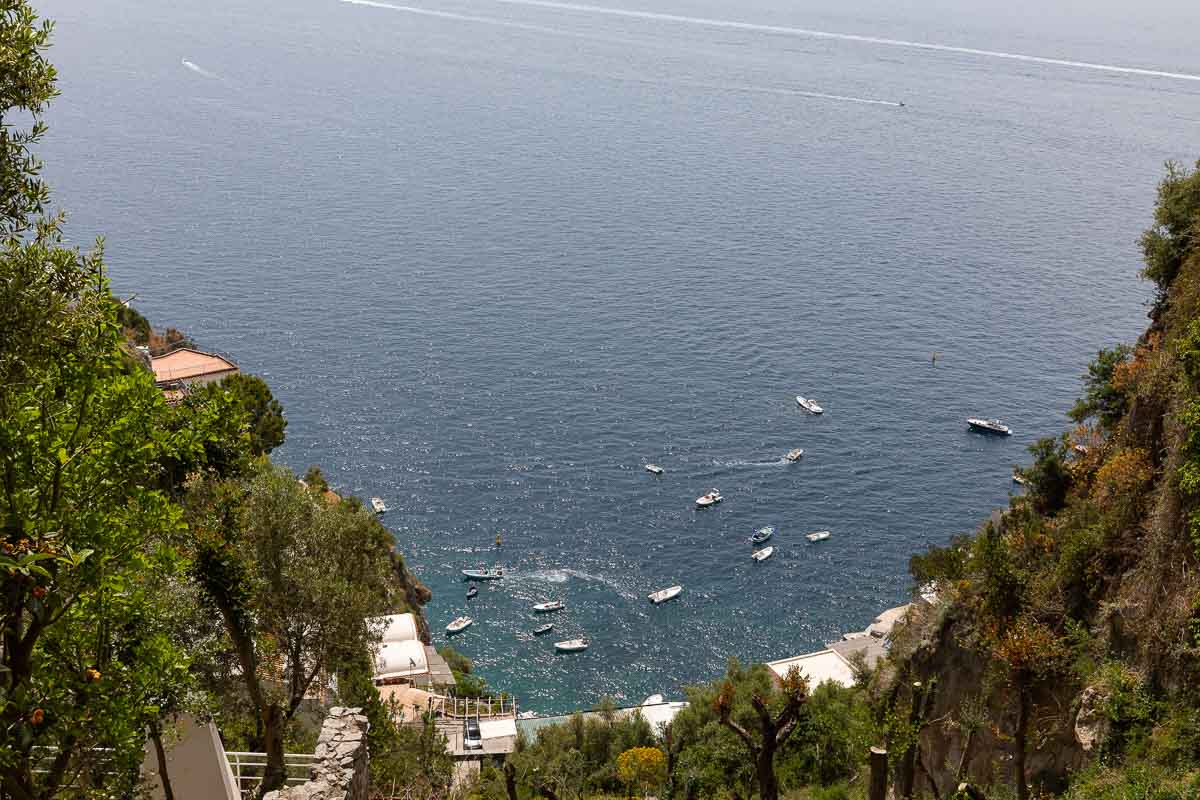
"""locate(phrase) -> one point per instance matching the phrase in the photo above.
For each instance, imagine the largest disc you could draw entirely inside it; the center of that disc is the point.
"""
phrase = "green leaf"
(62, 455)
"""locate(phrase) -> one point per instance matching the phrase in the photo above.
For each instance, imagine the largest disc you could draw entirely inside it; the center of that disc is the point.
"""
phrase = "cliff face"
(413, 594)
(1068, 627)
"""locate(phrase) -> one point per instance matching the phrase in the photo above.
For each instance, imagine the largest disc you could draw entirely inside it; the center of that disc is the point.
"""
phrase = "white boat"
(549, 626)
(550, 605)
(762, 534)
(654, 469)
(764, 554)
(493, 574)
(460, 624)
(1017, 478)
(989, 426)
(663, 595)
(527, 715)
(571, 645)
(809, 405)
(794, 455)
(818, 536)
(378, 504)
(709, 499)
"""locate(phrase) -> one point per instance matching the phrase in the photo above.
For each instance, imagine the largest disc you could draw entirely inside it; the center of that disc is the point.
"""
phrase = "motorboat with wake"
(459, 624)
(711, 498)
(550, 605)
(571, 646)
(818, 536)
(493, 574)
(764, 554)
(762, 534)
(809, 405)
(794, 455)
(654, 469)
(663, 595)
(992, 426)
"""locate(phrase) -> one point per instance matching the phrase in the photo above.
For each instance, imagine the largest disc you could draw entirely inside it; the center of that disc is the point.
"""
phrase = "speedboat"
(551, 605)
(378, 504)
(549, 626)
(571, 646)
(989, 426)
(710, 499)
(459, 624)
(809, 405)
(493, 574)
(762, 534)
(818, 536)
(663, 595)
(764, 554)
(794, 455)
(474, 590)
(654, 469)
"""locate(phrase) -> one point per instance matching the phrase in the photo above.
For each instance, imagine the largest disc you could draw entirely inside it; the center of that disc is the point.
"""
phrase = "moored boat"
(571, 645)
(663, 595)
(654, 469)
(1018, 478)
(762, 534)
(550, 605)
(459, 624)
(818, 536)
(549, 626)
(471, 592)
(794, 455)
(493, 574)
(993, 426)
(764, 554)
(809, 405)
(711, 498)
(378, 504)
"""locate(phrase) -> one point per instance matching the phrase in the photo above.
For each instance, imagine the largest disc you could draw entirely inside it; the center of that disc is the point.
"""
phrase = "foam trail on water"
(846, 37)
(199, 70)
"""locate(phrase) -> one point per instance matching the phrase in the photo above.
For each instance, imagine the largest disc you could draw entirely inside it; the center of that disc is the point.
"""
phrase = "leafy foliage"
(1103, 398)
(1176, 230)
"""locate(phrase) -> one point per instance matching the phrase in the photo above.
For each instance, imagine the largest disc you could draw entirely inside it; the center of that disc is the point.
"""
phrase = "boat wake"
(199, 70)
(850, 37)
(780, 462)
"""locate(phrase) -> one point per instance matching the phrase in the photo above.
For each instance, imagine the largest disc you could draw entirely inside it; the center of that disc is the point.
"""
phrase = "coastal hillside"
(1064, 654)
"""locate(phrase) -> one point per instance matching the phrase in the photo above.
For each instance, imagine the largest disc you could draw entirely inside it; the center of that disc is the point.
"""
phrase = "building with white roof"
(402, 657)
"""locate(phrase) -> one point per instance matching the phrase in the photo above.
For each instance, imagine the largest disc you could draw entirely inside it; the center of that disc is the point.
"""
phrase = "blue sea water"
(494, 256)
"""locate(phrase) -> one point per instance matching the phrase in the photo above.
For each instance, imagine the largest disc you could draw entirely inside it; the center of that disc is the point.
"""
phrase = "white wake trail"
(846, 37)
(199, 70)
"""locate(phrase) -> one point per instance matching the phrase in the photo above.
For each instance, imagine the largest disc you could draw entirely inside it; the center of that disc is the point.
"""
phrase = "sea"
(494, 256)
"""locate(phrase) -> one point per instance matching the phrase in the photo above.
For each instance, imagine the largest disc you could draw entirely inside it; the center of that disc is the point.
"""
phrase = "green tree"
(1176, 230)
(262, 413)
(1049, 478)
(642, 768)
(774, 719)
(1102, 399)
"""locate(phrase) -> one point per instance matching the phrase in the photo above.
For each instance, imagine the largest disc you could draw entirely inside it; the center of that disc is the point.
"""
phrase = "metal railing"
(248, 768)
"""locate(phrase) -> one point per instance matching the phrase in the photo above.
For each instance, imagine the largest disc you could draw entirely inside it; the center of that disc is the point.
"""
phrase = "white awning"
(400, 660)
(397, 627)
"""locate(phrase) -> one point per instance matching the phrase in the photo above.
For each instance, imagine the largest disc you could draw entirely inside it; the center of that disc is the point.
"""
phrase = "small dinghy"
(818, 536)
(378, 504)
(993, 426)
(551, 605)
(654, 469)
(809, 405)
(794, 455)
(549, 626)
(493, 574)
(663, 595)
(762, 534)
(764, 554)
(460, 624)
(571, 646)
(474, 590)
(710, 499)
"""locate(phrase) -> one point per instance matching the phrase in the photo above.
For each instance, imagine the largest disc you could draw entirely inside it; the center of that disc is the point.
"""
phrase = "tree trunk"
(275, 775)
(879, 772)
(510, 781)
(768, 785)
(160, 753)
(1019, 737)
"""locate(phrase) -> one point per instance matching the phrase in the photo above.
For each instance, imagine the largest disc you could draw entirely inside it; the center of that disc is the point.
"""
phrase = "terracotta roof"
(186, 364)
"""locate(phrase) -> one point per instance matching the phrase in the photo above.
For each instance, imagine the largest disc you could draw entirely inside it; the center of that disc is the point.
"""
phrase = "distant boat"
(762, 534)
(663, 595)
(552, 605)
(378, 504)
(710, 499)
(989, 426)
(493, 574)
(794, 455)
(809, 405)
(571, 645)
(1017, 478)
(459, 624)
(764, 554)
(474, 590)
(549, 626)
(818, 536)
(1080, 448)
(654, 468)
(527, 715)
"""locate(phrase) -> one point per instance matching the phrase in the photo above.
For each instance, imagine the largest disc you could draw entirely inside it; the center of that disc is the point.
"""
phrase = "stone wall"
(341, 772)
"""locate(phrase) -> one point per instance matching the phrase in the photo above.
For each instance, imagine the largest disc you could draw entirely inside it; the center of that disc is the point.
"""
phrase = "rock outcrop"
(341, 773)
